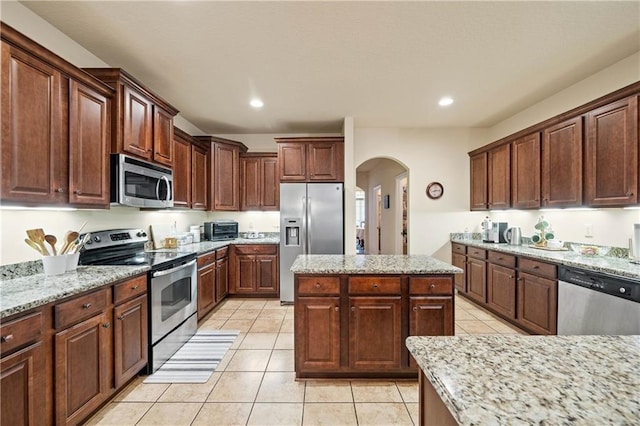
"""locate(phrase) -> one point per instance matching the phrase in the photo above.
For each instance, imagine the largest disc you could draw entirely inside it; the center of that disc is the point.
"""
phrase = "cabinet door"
(431, 316)
(562, 164)
(162, 136)
(82, 371)
(245, 274)
(270, 188)
(375, 339)
(89, 143)
(226, 177)
(22, 387)
(250, 183)
(478, 173)
(130, 339)
(182, 172)
(501, 290)
(499, 177)
(267, 273)
(137, 124)
(325, 162)
(537, 303)
(222, 278)
(317, 333)
(525, 172)
(199, 178)
(206, 289)
(611, 154)
(33, 128)
(477, 280)
(460, 280)
(293, 162)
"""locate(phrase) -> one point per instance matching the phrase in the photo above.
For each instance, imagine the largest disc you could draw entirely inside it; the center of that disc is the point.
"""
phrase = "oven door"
(174, 298)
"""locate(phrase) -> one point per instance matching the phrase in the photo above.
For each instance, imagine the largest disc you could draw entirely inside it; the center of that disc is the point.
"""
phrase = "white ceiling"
(384, 63)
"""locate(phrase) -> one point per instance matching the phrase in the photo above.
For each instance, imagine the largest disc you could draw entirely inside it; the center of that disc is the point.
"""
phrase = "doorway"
(377, 191)
(402, 232)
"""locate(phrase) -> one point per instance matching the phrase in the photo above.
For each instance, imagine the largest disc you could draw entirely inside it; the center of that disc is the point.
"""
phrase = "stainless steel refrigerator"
(311, 222)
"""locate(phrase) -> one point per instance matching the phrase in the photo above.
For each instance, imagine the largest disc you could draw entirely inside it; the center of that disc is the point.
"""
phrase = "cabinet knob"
(135, 287)
(337, 308)
(375, 285)
(106, 325)
(415, 308)
(510, 277)
(121, 317)
(519, 279)
(500, 258)
(77, 192)
(536, 267)
(59, 189)
(629, 194)
(86, 306)
(7, 338)
(353, 308)
(432, 286)
(317, 285)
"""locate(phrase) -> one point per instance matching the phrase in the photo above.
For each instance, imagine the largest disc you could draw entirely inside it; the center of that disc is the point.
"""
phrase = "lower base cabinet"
(255, 270)
(501, 290)
(537, 303)
(318, 337)
(222, 277)
(130, 340)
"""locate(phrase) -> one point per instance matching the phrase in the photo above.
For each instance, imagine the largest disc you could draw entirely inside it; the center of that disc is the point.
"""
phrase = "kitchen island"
(353, 312)
(499, 379)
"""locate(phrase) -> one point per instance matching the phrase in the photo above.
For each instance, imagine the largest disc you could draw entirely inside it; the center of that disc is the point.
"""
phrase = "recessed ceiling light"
(256, 103)
(446, 101)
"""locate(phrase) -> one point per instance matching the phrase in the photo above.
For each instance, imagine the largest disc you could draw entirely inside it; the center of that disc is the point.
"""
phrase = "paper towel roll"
(636, 240)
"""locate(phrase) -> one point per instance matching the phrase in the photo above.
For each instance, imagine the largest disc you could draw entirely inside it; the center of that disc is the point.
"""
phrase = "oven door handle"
(172, 270)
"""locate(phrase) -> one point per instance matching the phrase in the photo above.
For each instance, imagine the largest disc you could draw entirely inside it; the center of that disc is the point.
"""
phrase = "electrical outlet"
(588, 232)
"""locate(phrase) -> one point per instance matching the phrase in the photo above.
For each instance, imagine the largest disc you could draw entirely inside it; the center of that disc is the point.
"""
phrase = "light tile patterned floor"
(255, 382)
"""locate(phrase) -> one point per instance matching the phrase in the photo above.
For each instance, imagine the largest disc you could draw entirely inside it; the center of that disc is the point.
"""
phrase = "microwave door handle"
(158, 189)
(166, 181)
(172, 270)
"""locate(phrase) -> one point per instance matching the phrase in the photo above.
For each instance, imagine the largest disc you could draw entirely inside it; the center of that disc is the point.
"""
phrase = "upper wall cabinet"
(313, 159)
(499, 177)
(142, 122)
(611, 154)
(190, 172)
(55, 128)
(224, 173)
(562, 164)
(478, 182)
(259, 183)
(525, 172)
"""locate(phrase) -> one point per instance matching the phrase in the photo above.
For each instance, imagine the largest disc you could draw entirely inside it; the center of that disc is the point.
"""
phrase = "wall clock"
(435, 190)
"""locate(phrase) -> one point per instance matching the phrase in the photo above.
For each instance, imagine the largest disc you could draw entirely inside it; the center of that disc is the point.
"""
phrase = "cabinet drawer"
(80, 308)
(477, 253)
(20, 332)
(221, 253)
(534, 267)
(256, 249)
(458, 248)
(430, 285)
(318, 285)
(129, 289)
(502, 259)
(206, 259)
(376, 285)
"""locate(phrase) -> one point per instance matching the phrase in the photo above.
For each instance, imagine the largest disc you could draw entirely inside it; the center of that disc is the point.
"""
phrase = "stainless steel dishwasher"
(593, 303)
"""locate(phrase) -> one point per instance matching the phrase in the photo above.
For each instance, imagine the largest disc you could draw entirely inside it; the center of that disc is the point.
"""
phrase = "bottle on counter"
(467, 234)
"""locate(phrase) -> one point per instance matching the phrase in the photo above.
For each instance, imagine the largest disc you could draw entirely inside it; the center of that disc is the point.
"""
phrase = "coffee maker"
(495, 233)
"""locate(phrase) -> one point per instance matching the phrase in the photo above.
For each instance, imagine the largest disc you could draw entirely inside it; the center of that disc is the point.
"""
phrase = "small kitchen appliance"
(221, 230)
(513, 236)
(496, 232)
(138, 183)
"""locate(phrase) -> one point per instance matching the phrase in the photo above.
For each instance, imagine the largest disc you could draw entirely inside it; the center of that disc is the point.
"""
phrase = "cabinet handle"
(317, 285)
(519, 279)
(432, 286)
(337, 308)
(86, 306)
(106, 325)
(353, 308)
(77, 192)
(7, 338)
(510, 277)
(415, 308)
(60, 190)
(629, 194)
(500, 258)
(375, 285)
(536, 267)
(121, 317)
(135, 287)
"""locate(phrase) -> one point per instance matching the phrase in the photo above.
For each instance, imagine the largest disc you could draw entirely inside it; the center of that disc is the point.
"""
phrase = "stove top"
(126, 247)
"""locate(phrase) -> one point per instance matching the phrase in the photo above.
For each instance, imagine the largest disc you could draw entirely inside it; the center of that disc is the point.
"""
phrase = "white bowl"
(555, 244)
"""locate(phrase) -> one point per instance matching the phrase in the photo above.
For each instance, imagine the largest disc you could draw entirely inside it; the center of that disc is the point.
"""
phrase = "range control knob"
(97, 239)
(623, 290)
(141, 234)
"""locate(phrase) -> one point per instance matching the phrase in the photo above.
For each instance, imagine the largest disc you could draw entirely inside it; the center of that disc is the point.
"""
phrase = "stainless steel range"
(172, 287)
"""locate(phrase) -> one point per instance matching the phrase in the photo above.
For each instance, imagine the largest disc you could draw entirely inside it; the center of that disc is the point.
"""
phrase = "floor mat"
(196, 360)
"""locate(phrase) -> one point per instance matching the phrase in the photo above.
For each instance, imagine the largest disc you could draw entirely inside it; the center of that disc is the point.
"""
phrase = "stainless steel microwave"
(138, 183)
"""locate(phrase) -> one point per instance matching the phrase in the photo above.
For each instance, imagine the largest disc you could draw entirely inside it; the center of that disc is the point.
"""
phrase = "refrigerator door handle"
(308, 226)
(303, 237)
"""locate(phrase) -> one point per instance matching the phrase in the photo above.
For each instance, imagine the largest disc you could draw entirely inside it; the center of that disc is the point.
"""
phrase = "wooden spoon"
(37, 236)
(33, 245)
(70, 237)
(52, 240)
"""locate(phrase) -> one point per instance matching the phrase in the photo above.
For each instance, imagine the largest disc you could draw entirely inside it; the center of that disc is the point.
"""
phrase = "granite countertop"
(24, 286)
(371, 264)
(28, 292)
(604, 264)
(504, 380)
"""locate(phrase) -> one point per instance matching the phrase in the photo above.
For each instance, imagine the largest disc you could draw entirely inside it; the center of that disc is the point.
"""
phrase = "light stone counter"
(507, 380)
(603, 264)
(371, 264)
(23, 293)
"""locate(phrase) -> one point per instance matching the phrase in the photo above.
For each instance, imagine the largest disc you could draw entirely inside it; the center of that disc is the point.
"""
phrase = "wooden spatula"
(37, 236)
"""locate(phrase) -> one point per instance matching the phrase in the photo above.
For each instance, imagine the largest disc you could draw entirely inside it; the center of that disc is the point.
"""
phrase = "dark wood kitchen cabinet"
(312, 159)
(459, 259)
(259, 183)
(181, 169)
(478, 181)
(477, 274)
(199, 177)
(525, 172)
(611, 154)
(318, 330)
(537, 296)
(222, 273)
(561, 165)
(206, 283)
(141, 121)
(501, 289)
(499, 177)
(54, 109)
(255, 269)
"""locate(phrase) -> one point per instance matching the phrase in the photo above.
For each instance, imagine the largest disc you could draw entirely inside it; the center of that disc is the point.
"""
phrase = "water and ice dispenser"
(292, 231)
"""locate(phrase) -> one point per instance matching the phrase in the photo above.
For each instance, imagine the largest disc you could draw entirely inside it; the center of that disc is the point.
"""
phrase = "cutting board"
(160, 231)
